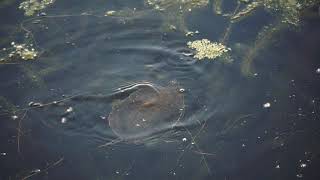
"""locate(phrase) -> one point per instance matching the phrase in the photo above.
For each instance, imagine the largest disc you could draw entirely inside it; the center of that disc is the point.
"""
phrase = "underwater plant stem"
(42, 105)
(264, 39)
(227, 32)
(19, 132)
(44, 170)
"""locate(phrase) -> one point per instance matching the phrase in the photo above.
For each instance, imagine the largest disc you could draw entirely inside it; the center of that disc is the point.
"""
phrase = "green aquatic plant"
(284, 14)
(217, 6)
(287, 13)
(32, 6)
(206, 49)
(286, 10)
(19, 51)
(174, 11)
(23, 51)
(183, 5)
(264, 39)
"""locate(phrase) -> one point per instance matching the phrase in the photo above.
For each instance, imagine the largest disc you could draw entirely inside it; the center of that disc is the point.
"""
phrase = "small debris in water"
(14, 117)
(191, 33)
(184, 139)
(267, 105)
(182, 90)
(34, 104)
(299, 175)
(303, 165)
(36, 21)
(36, 171)
(69, 110)
(42, 14)
(187, 54)
(103, 117)
(64, 120)
(172, 27)
(110, 13)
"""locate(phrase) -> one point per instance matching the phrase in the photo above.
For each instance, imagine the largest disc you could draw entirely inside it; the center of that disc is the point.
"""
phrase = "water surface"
(230, 134)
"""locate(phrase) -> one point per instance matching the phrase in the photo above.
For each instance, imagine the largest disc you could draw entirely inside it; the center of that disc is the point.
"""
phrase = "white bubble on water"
(267, 105)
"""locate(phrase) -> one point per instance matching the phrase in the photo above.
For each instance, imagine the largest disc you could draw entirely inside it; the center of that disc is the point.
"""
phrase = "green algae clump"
(23, 51)
(206, 49)
(32, 6)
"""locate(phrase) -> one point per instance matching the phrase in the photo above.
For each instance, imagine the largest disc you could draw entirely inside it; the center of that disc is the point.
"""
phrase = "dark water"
(228, 133)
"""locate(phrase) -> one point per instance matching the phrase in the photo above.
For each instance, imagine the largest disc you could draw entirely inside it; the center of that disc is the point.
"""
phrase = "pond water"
(251, 114)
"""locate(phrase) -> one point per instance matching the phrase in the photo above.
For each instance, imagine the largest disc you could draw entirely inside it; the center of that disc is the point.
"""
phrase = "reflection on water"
(55, 109)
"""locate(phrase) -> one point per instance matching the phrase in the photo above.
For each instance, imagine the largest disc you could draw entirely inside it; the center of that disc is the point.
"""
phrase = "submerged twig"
(230, 25)
(115, 141)
(38, 171)
(44, 105)
(19, 132)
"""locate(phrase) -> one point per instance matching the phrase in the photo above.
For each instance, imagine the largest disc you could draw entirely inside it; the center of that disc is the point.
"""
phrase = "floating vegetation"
(23, 51)
(32, 6)
(191, 33)
(207, 49)
(249, 9)
(285, 14)
(174, 11)
(20, 51)
(110, 13)
(287, 10)
(217, 9)
(184, 5)
(264, 39)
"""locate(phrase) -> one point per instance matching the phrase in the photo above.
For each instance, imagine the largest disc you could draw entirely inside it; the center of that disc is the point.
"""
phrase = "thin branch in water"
(20, 132)
(44, 105)
(115, 141)
(126, 172)
(38, 171)
(227, 32)
(204, 153)
(10, 63)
